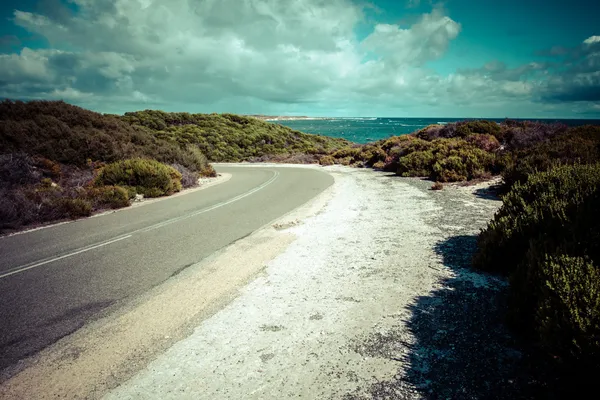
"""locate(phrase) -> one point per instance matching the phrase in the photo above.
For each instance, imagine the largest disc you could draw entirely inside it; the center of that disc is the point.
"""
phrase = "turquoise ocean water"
(364, 130)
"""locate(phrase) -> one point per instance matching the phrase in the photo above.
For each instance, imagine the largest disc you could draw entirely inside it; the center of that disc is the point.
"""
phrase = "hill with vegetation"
(60, 161)
(232, 138)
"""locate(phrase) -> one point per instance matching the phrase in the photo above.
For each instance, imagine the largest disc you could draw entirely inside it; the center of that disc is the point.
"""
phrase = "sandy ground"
(361, 293)
(334, 315)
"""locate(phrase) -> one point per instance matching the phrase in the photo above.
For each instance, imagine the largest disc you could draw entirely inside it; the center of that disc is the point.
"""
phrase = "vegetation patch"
(232, 138)
(546, 239)
(149, 177)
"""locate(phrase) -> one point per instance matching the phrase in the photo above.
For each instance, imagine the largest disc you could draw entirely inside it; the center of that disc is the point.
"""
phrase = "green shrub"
(109, 196)
(545, 204)
(208, 171)
(546, 238)
(346, 161)
(326, 160)
(418, 163)
(568, 313)
(445, 160)
(484, 142)
(450, 169)
(74, 208)
(345, 152)
(379, 165)
(150, 178)
(577, 145)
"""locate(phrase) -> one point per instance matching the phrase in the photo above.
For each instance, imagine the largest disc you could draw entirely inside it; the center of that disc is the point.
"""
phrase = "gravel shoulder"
(369, 300)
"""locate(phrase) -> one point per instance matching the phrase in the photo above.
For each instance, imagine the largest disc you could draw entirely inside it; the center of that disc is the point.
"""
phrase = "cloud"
(265, 55)
(424, 41)
(576, 77)
(499, 71)
(182, 51)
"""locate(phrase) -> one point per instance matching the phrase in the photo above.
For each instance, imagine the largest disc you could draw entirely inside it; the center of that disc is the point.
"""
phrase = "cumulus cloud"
(577, 75)
(204, 51)
(426, 40)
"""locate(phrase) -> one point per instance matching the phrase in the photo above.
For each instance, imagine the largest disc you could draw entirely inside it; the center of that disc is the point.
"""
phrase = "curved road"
(54, 279)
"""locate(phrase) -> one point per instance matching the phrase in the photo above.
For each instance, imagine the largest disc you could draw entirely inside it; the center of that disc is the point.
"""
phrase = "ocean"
(364, 130)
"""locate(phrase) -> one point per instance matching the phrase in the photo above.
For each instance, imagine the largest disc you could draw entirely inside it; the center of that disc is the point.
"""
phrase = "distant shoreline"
(285, 118)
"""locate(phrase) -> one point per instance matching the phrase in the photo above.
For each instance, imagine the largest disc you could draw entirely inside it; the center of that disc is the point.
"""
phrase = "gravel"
(373, 299)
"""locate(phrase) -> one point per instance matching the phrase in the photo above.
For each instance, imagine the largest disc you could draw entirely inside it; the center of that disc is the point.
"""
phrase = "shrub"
(371, 155)
(74, 208)
(445, 160)
(345, 161)
(326, 160)
(50, 168)
(208, 171)
(450, 169)
(546, 238)
(150, 178)
(518, 135)
(461, 129)
(18, 169)
(188, 178)
(230, 137)
(418, 163)
(484, 142)
(568, 314)
(544, 204)
(379, 165)
(437, 186)
(109, 196)
(346, 152)
(577, 145)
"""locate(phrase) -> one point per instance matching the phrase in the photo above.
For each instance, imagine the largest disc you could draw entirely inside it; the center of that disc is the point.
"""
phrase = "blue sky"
(399, 58)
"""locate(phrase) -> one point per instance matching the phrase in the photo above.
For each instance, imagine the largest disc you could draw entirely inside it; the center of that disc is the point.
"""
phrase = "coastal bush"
(544, 204)
(517, 135)
(577, 145)
(108, 196)
(40, 203)
(56, 132)
(326, 160)
(461, 130)
(231, 138)
(189, 178)
(445, 160)
(18, 169)
(437, 186)
(567, 320)
(294, 158)
(418, 163)
(484, 142)
(73, 207)
(546, 238)
(379, 165)
(149, 177)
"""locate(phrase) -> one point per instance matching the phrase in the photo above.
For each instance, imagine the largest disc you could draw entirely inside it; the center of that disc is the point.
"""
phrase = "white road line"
(177, 219)
(22, 268)
(37, 264)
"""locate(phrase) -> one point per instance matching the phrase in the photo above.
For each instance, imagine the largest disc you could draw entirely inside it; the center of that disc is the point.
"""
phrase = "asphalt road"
(55, 279)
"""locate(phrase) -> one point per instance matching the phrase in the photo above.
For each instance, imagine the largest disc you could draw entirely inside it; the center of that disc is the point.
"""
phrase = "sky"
(387, 58)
